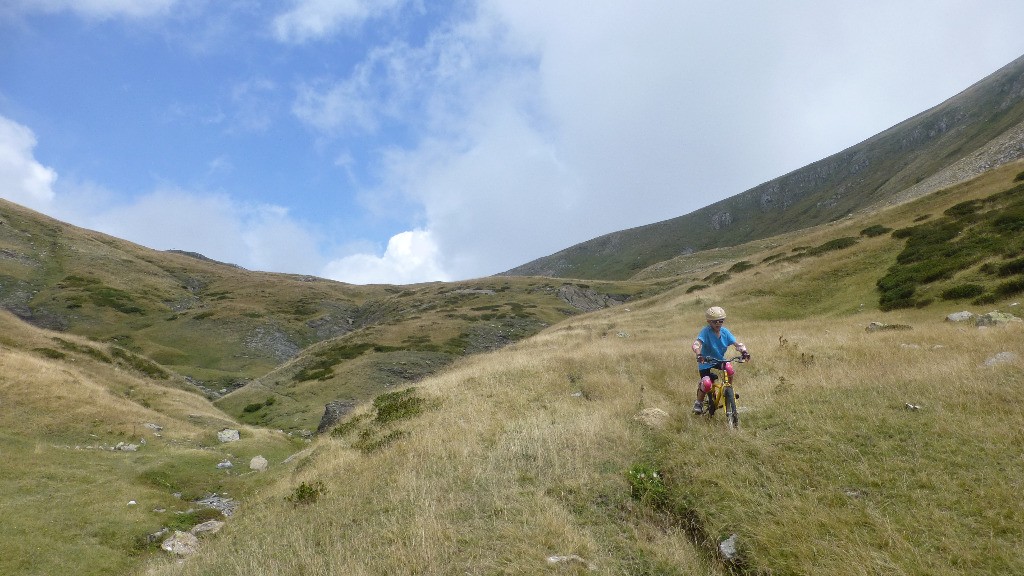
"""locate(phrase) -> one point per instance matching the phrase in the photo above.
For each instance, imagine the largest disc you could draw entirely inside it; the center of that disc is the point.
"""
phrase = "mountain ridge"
(877, 171)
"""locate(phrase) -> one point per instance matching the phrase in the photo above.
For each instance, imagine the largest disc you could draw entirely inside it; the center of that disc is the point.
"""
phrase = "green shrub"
(399, 405)
(697, 287)
(147, 367)
(306, 494)
(1011, 288)
(185, 521)
(368, 443)
(741, 266)
(1019, 177)
(875, 230)
(1012, 267)
(647, 485)
(50, 353)
(836, 244)
(963, 291)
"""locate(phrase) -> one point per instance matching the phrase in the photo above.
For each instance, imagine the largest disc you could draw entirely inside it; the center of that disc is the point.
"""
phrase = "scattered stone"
(208, 527)
(996, 318)
(228, 435)
(126, 447)
(960, 316)
(259, 464)
(155, 536)
(153, 427)
(854, 493)
(572, 560)
(727, 548)
(132, 503)
(912, 407)
(224, 465)
(225, 505)
(879, 327)
(181, 543)
(652, 417)
(1001, 358)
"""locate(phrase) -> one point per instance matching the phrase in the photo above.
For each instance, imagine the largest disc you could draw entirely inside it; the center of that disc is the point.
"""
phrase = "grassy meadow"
(572, 451)
(526, 460)
(524, 454)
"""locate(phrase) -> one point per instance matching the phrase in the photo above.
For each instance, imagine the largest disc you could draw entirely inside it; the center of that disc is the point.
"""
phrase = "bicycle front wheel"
(730, 408)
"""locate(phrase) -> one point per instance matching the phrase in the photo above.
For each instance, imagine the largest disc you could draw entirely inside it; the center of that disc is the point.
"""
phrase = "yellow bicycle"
(722, 394)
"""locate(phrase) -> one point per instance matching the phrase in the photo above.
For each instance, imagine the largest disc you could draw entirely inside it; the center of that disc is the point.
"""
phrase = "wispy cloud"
(309, 20)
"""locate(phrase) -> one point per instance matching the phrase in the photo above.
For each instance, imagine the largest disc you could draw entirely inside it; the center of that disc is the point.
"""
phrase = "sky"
(407, 141)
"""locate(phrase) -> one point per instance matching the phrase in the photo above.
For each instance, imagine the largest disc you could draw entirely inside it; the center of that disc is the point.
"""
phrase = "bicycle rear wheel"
(730, 408)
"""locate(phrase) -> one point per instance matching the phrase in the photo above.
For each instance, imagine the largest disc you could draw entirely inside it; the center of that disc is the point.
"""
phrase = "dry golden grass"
(525, 451)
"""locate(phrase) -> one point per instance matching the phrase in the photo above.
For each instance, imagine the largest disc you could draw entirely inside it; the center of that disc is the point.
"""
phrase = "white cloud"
(23, 180)
(318, 19)
(100, 9)
(257, 237)
(410, 257)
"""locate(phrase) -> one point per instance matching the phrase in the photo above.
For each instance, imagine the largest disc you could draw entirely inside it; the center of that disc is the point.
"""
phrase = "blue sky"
(402, 141)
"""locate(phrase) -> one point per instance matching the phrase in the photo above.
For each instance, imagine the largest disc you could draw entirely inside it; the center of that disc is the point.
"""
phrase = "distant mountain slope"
(978, 129)
(243, 336)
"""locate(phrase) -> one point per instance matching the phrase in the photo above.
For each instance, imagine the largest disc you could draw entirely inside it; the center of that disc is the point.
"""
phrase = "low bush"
(963, 291)
(875, 230)
(647, 485)
(306, 494)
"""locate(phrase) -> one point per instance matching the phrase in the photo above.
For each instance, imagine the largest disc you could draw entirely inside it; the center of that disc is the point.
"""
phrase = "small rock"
(224, 464)
(152, 426)
(1001, 358)
(259, 464)
(181, 543)
(912, 407)
(960, 316)
(228, 435)
(728, 548)
(132, 502)
(208, 527)
(652, 417)
(572, 559)
(879, 326)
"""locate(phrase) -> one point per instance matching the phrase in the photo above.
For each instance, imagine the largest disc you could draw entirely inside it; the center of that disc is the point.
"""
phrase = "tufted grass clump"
(647, 485)
(306, 493)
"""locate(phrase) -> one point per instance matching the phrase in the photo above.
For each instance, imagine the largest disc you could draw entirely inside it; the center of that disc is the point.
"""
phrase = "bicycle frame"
(722, 394)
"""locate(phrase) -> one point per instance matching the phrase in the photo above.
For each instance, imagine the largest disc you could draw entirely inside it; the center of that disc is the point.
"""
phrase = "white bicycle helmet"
(715, 313)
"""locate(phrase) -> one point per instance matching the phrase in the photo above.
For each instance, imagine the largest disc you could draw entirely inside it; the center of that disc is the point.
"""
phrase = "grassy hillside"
(510, 433)
(67, 403)
(532, 459)
(974, 131)
(226, 328)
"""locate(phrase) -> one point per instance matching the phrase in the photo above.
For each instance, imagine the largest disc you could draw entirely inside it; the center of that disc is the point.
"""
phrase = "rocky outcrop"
(586, 299)
(334, 412)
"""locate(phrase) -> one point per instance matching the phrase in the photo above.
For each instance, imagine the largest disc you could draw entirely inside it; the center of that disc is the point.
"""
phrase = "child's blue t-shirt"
(714, 346)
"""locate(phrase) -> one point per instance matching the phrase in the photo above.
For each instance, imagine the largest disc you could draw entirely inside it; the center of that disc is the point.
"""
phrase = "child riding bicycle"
(710, 347)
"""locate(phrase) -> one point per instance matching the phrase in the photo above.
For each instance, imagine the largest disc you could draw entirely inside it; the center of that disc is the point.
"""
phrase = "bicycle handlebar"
(713, 360)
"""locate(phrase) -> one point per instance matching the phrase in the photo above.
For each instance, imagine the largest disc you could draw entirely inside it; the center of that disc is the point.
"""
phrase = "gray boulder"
(996, 318)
